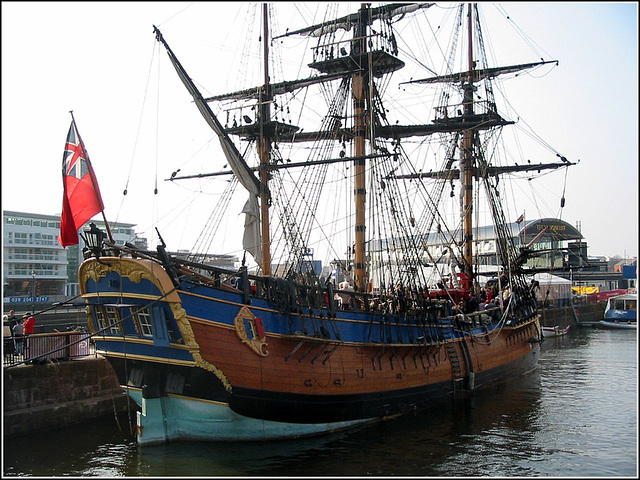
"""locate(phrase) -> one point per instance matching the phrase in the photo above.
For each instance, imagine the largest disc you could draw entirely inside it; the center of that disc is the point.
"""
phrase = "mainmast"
(264, 150)
(360, 79)
(467, 163)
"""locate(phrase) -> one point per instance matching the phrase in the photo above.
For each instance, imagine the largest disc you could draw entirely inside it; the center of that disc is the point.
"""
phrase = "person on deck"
(346, 298)
(463, 280)
(460, 307)
(489, 294)
(338, 299)
(471, 305)
(483, 295)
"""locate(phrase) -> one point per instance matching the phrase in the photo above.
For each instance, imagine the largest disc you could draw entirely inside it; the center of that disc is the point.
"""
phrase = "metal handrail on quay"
(38, 348)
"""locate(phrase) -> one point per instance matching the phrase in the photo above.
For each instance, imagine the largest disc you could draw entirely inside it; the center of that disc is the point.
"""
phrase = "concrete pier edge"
(60, 393)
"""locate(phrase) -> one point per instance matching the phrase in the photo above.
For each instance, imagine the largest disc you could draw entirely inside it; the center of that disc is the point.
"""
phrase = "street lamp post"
(33, 291)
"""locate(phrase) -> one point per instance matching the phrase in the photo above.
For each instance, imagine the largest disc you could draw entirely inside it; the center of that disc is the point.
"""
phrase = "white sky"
(94, 58)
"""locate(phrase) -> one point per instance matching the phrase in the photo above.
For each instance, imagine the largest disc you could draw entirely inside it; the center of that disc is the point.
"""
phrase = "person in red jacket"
(29, 323)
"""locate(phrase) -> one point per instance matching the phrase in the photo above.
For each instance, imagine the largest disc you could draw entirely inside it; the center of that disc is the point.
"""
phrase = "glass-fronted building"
(557, 244)
(35, 267)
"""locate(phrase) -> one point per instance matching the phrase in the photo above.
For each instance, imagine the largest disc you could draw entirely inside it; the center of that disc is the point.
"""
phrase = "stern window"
(100, 320)
(142, 321)
(107, 320)
(114, 320)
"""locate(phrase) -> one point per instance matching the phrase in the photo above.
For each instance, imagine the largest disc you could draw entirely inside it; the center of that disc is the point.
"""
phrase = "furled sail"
(276, 88)
(251, 239)
(492, 171)
(344, 23)
(480, 74)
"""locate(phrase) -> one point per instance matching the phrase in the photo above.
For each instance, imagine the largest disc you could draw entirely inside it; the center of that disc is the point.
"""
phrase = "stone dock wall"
(57, 394)
(580, 315)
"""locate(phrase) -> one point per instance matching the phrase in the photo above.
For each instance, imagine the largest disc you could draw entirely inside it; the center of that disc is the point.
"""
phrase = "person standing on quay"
(12, 319)
(18, 337)
(29, 323)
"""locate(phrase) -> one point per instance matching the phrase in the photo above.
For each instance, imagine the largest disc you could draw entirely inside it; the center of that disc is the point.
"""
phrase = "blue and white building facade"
(36, 270)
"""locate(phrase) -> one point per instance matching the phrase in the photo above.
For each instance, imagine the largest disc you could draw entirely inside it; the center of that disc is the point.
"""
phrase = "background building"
(557, 248)
(36, 270)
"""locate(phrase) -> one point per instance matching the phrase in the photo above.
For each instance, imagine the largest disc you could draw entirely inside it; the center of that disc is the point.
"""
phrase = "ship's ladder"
(456, 368)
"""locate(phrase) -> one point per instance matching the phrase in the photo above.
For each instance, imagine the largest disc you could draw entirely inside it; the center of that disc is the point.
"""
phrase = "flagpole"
(93, 180)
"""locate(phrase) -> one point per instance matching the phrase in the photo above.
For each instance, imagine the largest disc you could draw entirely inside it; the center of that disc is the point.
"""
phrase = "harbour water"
(576, 415)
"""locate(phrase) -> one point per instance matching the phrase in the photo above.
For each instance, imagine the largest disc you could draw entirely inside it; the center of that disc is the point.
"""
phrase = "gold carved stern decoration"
(251, 332)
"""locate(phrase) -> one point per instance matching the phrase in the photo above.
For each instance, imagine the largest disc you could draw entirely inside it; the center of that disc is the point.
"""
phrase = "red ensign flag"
(81, 199)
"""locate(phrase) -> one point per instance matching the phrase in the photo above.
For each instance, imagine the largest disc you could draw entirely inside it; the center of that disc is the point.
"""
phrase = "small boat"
(280, 350)
(554, 331)
(621, 312)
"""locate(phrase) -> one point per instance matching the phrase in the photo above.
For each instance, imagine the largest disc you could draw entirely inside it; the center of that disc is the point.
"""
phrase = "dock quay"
(56, 393)
(578, 314)
(590, 315)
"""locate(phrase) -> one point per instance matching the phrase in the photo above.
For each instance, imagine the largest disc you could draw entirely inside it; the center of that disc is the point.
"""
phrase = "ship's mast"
(359, 84)
(467, 164)
(264, 149)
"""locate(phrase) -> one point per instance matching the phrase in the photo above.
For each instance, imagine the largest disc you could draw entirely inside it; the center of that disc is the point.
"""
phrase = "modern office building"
(35, 268)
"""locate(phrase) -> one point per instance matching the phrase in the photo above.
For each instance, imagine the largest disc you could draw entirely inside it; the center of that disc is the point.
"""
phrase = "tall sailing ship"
(284, 350)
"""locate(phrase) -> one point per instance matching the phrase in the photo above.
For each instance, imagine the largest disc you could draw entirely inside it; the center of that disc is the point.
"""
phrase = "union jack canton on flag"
(81, 199)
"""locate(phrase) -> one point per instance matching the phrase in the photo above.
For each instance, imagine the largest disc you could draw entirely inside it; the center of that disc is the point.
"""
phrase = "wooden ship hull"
(211, 363)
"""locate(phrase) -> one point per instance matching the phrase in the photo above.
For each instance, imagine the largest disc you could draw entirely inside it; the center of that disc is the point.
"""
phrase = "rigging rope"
(135, 144)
